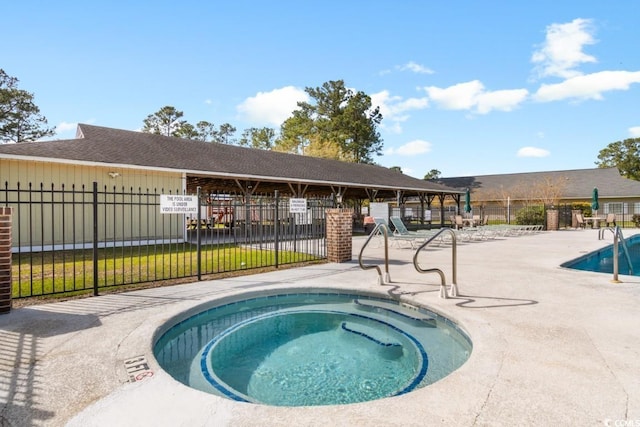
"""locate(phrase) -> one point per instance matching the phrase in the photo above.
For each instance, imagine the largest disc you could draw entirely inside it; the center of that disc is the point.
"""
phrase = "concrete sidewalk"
(551, 346)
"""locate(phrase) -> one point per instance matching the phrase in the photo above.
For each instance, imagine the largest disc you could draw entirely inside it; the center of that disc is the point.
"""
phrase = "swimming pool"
(601, 261)
(310, 349)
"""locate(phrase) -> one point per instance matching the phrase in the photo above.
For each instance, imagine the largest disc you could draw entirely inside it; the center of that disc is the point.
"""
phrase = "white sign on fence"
(298, 206)
(379, 210)
(170, 204)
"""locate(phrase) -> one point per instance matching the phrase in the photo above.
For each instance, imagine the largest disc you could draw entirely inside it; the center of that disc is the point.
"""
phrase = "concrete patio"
(552, 346)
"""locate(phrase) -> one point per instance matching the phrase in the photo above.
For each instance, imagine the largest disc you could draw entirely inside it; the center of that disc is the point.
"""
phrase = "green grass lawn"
(72, 272)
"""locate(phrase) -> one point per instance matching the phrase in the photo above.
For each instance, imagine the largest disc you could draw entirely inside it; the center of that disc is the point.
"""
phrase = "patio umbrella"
(594, 200)
(467, 201)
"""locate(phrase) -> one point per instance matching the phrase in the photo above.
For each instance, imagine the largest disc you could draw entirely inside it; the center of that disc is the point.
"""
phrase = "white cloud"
(562, 50)
(394, 108)
(634, 132)
(384, 100)
(590, 86)
(473, 96)
(393, 127)
(457, 97)
(272, 108)
(503, 100)
(408, 171)
(411, 148)
(208, 101)
(414, 67)
(66, 127)
(409, 104)
(533, 152)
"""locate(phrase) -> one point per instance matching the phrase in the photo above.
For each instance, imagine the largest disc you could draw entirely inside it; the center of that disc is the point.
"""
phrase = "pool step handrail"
(602, 231)
(625, 248)
(618, 239)
(453, 291)
(383, 229)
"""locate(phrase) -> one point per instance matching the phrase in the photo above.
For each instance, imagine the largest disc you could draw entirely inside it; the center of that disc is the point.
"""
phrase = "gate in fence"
(68, 240)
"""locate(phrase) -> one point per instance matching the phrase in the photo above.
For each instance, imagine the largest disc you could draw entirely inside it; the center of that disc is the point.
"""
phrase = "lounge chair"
(400, 229)
(402, 234)
(380, 221)
(610, 221)
(392, 236)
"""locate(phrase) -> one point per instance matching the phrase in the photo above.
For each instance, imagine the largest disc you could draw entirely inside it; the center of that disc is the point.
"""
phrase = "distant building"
(617, 194)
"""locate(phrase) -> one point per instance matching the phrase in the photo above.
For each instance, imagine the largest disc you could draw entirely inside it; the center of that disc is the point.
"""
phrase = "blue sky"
(467, 87)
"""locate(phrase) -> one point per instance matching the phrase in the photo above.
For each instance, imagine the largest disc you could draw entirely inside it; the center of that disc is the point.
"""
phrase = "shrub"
(533, 215)
(584, 207)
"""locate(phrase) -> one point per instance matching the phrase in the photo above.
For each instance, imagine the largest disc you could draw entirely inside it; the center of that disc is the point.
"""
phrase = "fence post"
(95, 238)
(199, 235)
(5, 260)
(276, 226)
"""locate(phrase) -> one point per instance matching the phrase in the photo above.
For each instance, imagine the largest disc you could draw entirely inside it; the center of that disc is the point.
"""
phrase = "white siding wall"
(45, 224)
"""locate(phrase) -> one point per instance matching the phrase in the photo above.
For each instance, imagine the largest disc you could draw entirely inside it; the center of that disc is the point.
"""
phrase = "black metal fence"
(79, 239)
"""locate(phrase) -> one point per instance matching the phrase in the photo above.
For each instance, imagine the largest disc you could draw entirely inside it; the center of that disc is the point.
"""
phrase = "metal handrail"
(443, 284)
(385, 232)
(617, 238)
(603, 230)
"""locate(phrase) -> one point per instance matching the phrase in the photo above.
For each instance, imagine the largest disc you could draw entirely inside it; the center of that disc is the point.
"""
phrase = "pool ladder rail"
(453, 290)
(384, 230)
(618, 239)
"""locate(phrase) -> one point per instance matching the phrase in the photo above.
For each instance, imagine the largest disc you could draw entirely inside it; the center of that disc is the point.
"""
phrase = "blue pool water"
(601, 261)
(307, 349)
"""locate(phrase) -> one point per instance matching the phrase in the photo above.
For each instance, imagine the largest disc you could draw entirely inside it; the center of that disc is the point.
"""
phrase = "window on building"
(618, 208)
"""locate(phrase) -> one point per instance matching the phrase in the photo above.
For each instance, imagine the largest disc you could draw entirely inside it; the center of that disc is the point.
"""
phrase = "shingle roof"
(579, 183)
(101, 145)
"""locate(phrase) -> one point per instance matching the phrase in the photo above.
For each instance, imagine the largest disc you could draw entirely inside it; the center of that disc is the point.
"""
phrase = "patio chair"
(580, 222)
(402, 235)
(398, 225)
(400, 229)
(380, 221)
(610, 221)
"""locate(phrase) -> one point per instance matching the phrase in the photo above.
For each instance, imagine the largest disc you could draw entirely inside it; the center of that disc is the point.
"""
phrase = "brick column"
(552, 219)
(339, 234)
(5, 260)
